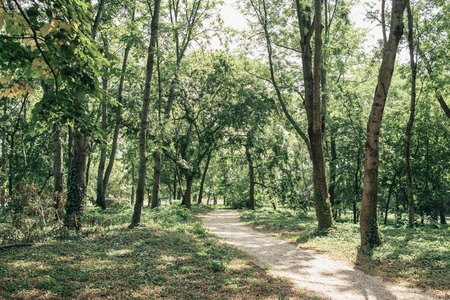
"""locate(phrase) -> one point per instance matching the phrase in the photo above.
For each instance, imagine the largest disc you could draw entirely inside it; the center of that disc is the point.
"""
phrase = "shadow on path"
(331, 279)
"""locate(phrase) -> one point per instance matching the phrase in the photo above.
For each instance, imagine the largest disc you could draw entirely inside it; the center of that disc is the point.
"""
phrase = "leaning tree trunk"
(408, 133)
(368, 219)
(140, 192)
(76, 182)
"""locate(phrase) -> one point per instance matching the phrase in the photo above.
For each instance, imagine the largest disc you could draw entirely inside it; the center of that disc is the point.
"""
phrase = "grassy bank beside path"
(419, 257)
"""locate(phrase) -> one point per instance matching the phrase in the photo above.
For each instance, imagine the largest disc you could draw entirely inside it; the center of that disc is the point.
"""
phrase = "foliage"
(56, 44)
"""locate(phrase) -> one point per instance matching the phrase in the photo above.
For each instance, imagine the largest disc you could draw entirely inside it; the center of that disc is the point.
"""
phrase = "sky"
(233, 18)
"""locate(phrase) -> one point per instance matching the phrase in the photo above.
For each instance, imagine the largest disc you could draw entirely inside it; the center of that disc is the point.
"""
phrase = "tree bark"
(76, 182)
(88, 167)
(100, 200)
(136, 219)
(444, 105)
(3, 193)
(133, 195)
(409, 126)
(202, 184)
(225, 196)
(156, 179)
(313, 105)
(58, 182)
(389, 196)
(251, 175)
(333, 176)
(442, 214)
(112, 156)
(69, 147)
(187, 194)
(11, 165)
(368, 219)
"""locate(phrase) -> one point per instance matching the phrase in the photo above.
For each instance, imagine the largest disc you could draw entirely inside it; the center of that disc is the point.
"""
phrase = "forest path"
(328, 278)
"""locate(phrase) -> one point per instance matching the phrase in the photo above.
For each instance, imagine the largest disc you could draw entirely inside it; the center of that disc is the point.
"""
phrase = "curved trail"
(328, 278)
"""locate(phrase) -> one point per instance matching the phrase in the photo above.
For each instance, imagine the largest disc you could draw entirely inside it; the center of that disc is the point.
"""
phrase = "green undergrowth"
(415, 256)
(170, 256)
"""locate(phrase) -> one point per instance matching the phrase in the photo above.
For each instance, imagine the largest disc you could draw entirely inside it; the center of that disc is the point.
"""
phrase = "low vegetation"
(171, 256)
(415, 256)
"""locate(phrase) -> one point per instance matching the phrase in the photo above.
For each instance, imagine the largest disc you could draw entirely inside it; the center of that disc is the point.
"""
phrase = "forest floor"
(171, 256)
(326, 277)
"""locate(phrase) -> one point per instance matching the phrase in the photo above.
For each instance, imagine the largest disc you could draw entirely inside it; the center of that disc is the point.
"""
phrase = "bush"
(120, 204)
(30, 216)
(238, 203)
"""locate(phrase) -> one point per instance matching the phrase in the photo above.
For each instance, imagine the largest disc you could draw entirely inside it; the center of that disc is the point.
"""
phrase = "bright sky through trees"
(233, 18)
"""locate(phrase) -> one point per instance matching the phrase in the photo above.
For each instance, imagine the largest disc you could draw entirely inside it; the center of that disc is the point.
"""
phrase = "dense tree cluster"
(157, 101)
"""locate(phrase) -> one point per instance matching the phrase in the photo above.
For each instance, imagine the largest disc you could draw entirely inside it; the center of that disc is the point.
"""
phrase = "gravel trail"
(328, 278)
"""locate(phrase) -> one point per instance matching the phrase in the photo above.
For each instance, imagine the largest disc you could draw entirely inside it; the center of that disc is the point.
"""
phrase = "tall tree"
(312, 79)
(312, 96)
(140, 191)
(409, 125)
(186, 18)
(368, 220)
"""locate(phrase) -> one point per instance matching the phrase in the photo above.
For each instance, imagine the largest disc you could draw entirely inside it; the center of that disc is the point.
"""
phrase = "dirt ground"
(313, 271)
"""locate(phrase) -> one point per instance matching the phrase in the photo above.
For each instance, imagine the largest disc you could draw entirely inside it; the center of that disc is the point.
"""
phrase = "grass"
(419, 257)
(172, 256)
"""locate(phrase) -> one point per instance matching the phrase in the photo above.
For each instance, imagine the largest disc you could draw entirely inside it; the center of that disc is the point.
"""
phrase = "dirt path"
(328, 278)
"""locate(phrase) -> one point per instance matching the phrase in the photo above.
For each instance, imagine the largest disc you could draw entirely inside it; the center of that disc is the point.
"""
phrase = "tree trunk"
(314, 115)
(175, 184)
(442, 214)
(180, 52)
(251, 175)
(88, 167)
(368, 219)
(389, 196)
(76, 182)
(313, 105)
(187, 194)
(3, 193)
(444, 105)
(136, 220)
(356, 191)
(333, 176)
(112, 155)
(69, 147)
(156, 179)
(409, 126)
(202, 184)
(100, 201)
(4, 153)
(225, 179)
(58, 181)
(132, 183)
(11, 166)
